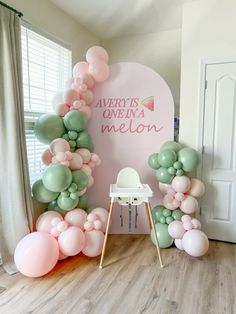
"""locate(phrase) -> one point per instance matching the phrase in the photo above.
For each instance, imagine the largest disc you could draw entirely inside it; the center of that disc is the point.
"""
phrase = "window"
(46, 67)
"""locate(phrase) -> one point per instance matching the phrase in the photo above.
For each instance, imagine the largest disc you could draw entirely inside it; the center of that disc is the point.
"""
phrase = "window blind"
(46, 67)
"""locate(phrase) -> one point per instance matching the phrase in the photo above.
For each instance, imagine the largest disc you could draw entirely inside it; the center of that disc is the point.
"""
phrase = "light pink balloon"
(36, 254)
(186, 218)
(71, 241)
(76, 217)
(77, 104)
(47, 157)
(197, 188)
(91, 164)
(195, 243)
(189, 205)
(179, 196)
(176, 229)
(85, 154)
(196, 223)
(181, 184)
(169, 202)
(83, 87)
(97, 224)
(90, 182)
(61, 156)
(80, 68)
(164, 187)
(70, 95)
(88, 80)
(92, 217)
(59, 145)
(86, 169)
(102, 215)
(97, 53)
(86, 111)
(54, 232)
(57, 98)
(88, 226)
(61, 256)
(95, 158)
(61, 109)
(99, 71)
(76, 162)
(87, 96)
(69, 83)
(178, 244)
(44, 221)
(188, 225)
(94, 243)
(62, 226)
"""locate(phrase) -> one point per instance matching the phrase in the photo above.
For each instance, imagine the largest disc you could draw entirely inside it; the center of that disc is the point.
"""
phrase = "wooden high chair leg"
(148, 207)
(106, 235)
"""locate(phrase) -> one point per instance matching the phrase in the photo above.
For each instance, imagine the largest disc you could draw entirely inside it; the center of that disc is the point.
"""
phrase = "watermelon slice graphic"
(148, 103)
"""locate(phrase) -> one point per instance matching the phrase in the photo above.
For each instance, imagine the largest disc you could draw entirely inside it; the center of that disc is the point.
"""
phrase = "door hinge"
(205, 84)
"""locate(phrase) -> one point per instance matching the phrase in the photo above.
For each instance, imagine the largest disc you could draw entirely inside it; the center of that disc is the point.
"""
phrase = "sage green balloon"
(41, 194)
(167, 157)
(157, 212)
(177, 214)
(172, 146)
(84, 140)
(153, 161)
(163, 236)
(83, 202)
(163, 175)
(189, 158)
(54, 206)
(80, 179)
(67, 203)
(166, 212)
(169, 220)
(57, 177)
(75, 121)
(48, 127)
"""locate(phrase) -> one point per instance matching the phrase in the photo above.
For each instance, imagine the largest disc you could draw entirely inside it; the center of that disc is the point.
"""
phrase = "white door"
(218, 207)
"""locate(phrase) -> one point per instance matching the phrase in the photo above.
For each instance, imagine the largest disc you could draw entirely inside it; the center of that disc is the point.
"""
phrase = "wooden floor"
(131, 283)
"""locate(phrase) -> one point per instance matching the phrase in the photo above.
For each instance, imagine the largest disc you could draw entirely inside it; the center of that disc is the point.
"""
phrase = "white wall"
(50, 19)
(160, 51)
(208, 31)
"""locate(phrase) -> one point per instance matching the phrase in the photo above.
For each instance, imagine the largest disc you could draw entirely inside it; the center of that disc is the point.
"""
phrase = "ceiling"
(117, 18)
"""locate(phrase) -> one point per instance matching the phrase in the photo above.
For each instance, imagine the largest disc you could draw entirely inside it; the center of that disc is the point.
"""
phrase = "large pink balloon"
(80, 68)
(70, 95)
(94, 243)
(96, 53)
(197, 188)
(71, 241)
(44, 221)
(102, 215)
(181, 184)
(195, 243)
(164, 187)
(36, 254)
(176, 229)
(87, 96)
(99, 71)
(59, 145)
(76, 217)
(47, 157)
(76, 162)
(61, 109)
(189, 205)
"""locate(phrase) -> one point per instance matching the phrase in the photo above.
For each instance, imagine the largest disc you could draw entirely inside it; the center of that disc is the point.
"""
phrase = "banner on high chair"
(133, 115)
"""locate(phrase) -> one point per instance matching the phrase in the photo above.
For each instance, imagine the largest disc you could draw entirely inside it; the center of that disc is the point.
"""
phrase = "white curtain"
(15, 195)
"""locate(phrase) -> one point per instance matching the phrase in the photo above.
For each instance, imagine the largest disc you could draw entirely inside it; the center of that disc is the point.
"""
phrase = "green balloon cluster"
(173, 160)
(166, 216)
(79, 140)
(164, 239)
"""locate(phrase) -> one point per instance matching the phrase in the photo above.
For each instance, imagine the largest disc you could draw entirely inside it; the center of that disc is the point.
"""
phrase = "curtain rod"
(12, 9)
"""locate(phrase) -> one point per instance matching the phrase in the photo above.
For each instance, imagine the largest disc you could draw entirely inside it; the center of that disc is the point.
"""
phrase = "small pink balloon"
(77, 104)
(86, 169)
(55, 221)
(61, 156)
(181, 184)
(164, 187)
(88, 80)
(94, 243)
(88, 225)
(196, 223)
(102, 215)
(176, 229)
(36, 254)
(179, 196)
(187, 225)
(76, 162)
(169, 202)
(86, 111)
(96, 53)
(90, 182)
(87, 96)
(71, 241)
(44, 221)
(92, 217)
(80, 68)
(65, 163)
(61, 109)
(76, 217)
(176, 203)
(189, 205)
(83, 87)
(99, 71)
(94, 157)
(178, 244)
(185, 218)
(47, 157)
(70, 95)
(171, 192)
(97, 225)
(195, 243)
(59, 145)
(62, 226)
(91, 164)
(197, 188)
(54, 232)
(69, 155)
(85, 154)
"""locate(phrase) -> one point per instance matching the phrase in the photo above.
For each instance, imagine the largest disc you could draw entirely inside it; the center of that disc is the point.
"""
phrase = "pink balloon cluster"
(181, 193)
(188, 236)
(57, 238)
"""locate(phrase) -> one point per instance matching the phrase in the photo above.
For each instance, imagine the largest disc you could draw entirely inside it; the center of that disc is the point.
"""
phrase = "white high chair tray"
(143, 191)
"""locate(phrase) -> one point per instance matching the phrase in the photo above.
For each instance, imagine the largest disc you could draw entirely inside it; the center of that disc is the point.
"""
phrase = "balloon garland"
(173, 220)
(70, 161)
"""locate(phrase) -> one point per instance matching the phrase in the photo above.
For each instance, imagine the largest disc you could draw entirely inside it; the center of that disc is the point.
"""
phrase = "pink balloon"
(47, 157)
(77, 104)
(61, 256)
(164, 187)
(71, 241)
(187, 225)
(90, 182)
(44, 221)
(36, 254)
(196, 223)
(69, 83)
(80, 68)
(88, 80)
(61, 109)
(94, 157)
(96, 53)
(54, 232)
(59, 145)
(197, 188)
(178, 244)
(88, 226)
(87, 96)
(186, 218)
(189, 205)
(91, 164)
(92, 217)
(169, 202)
(176, 229)
(57, 98)
(62, 226)
(85, 154)
(102, 215)
(87, 170)
(76, 162)
(94, 243)
(195, 243)
(76, 217)
(99, 71)
(181, 184)
(97, 224)
(179, 196)
(61, 156)
(86, 111)
(70, 95)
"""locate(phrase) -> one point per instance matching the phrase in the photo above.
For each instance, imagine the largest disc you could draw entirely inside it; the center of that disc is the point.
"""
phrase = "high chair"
(129, 191)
